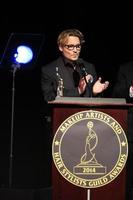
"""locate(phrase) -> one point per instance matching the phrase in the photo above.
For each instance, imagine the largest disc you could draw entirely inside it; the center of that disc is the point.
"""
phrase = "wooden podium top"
(92, 101)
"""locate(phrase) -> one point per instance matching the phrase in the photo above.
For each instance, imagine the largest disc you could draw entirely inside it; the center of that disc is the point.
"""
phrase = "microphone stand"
(84, 73)
(15, 67)
(88, 86)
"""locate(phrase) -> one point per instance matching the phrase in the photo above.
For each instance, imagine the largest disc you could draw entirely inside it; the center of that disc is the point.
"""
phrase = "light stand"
(19, 49)
(15, 67)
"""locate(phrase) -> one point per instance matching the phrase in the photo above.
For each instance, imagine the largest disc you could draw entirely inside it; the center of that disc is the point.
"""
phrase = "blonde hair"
(63, 36)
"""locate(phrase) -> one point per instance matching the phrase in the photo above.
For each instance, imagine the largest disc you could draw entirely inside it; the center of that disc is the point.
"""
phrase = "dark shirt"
(70, 72)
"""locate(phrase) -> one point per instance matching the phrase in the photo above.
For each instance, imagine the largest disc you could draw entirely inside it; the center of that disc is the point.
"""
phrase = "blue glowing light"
(24, 54)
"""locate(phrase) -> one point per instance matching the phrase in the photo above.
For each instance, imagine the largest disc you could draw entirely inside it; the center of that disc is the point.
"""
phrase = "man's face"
(71, 49)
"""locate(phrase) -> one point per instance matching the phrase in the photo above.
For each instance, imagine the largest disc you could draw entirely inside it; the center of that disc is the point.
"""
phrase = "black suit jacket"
(49, 80)
(121, 90)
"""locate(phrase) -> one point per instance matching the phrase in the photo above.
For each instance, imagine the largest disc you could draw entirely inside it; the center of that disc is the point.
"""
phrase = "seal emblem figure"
(91, 142)
(88, 160)
(90, 149)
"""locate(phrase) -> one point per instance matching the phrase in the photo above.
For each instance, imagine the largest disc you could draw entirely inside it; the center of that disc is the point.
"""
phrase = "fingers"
(99, 79)
(106, 83)
(82, 86)
(89, 78)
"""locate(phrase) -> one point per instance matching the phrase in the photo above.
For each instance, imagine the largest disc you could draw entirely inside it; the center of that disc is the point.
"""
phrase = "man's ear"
(60, 48)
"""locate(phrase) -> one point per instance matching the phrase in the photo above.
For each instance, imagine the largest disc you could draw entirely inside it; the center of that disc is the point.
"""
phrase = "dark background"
(109, 43)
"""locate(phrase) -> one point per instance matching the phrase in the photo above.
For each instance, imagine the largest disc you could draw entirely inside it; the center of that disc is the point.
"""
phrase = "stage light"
(23, 55)
(22, 49)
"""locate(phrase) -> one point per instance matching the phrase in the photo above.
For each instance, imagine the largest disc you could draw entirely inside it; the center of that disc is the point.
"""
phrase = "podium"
(64, 107)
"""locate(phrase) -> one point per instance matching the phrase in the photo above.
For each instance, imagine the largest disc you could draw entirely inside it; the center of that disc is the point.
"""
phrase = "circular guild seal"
(90, 149)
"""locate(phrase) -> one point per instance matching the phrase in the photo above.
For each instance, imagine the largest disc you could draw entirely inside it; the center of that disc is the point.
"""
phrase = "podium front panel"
(64, 190)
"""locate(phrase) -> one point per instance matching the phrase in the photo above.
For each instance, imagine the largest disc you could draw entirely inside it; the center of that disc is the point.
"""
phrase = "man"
(124, 89)
(69, 75)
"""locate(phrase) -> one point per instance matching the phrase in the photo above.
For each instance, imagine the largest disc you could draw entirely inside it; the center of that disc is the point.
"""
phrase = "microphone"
(85, 73)
(83, 70)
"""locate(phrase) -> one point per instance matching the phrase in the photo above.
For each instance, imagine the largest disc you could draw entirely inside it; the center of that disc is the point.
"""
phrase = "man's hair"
(63, 36)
